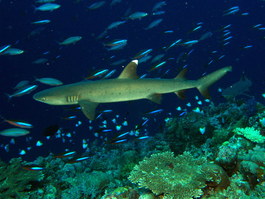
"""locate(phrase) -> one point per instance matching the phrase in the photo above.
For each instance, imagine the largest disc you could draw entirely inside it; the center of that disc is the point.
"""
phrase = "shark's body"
(126, 87)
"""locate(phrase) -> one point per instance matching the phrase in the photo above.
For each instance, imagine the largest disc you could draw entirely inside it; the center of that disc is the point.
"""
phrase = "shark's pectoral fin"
(156, 97)
(88, 108)
(181, 94)
(204, 92)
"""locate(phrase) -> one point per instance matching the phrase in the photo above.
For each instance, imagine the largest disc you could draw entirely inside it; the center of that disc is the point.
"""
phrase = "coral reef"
(250, 133)
(121, 193)
(177, 177)
(226, 160)
(16, 182)
(87, 184)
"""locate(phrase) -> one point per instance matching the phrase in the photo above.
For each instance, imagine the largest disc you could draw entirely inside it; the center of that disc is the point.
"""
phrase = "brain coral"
(176, 177)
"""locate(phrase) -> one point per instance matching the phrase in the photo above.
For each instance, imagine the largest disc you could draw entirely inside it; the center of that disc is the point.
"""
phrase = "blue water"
(73, 63)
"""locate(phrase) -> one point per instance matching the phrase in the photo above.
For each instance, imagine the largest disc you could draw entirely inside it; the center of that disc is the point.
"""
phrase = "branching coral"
(251, 134)
(177, 177)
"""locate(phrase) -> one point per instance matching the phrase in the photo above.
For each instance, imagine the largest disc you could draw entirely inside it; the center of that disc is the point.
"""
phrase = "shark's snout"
(39, 97)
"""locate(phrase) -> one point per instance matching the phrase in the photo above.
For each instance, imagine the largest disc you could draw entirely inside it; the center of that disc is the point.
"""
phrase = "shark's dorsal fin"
(129, 72)
(88, 108)
(182, 74)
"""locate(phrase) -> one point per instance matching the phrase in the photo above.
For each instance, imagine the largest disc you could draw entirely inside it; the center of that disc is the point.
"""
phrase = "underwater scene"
(132, 99)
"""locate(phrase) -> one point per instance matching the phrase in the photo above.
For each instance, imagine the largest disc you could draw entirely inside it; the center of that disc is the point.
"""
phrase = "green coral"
(87, 184)
(176, 177)
(16, 182)
(251, 134)
(239, 188)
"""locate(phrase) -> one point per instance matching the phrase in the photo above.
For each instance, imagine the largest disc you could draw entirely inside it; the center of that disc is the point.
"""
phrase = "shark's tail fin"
(208, 80)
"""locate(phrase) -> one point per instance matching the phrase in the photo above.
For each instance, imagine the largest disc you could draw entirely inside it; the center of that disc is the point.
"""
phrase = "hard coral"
(121, 193)
(87, 184)
(177, 177)
(251, 134)
(252, 166)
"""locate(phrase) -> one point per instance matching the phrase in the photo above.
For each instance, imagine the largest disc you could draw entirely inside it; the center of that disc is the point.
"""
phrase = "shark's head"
(50, 96)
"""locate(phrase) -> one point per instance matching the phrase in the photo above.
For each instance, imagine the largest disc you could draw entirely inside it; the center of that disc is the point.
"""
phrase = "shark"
(238, 88)
(127, 87)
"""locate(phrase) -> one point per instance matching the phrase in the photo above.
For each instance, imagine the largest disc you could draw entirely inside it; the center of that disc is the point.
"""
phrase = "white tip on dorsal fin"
(129, 72)
(135, 61)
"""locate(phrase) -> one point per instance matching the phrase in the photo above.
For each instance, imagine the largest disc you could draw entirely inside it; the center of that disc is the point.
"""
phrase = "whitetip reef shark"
(127, 87)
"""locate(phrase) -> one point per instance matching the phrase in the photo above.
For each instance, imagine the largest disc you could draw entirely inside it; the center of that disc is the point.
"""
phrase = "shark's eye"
(43, 99)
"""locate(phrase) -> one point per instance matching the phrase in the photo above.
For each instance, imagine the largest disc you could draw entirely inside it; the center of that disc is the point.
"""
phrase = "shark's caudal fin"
(208, 80)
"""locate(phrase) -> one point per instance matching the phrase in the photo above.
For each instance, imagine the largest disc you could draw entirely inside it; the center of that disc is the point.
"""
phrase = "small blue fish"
(139, 126)
(12, 51)
(14, 132)
(157, 66)
(65, 154)
(142, 53)
(158, 13)
(49, 81)
(231, 10)
(155, 111)
(48, 7)
(227, 26)
(115, 24)
(23, 91)
(97, 74)
(33, 168)
(183, 113)
(96, 5)
(257, 26)
(123, 134)
(119, 141)
(159, 5)
(71, 117)
(143, 137)
(4, 48)
(137, 15)
(106, 130)
(154, 24)
(75, 160)
(173, 44)
(116, 42)
(196, 28)
(168, 31)
(45, 21)
(109, 74)
(227, 38)
(18, 123)
(190, 43)
(71, 40)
